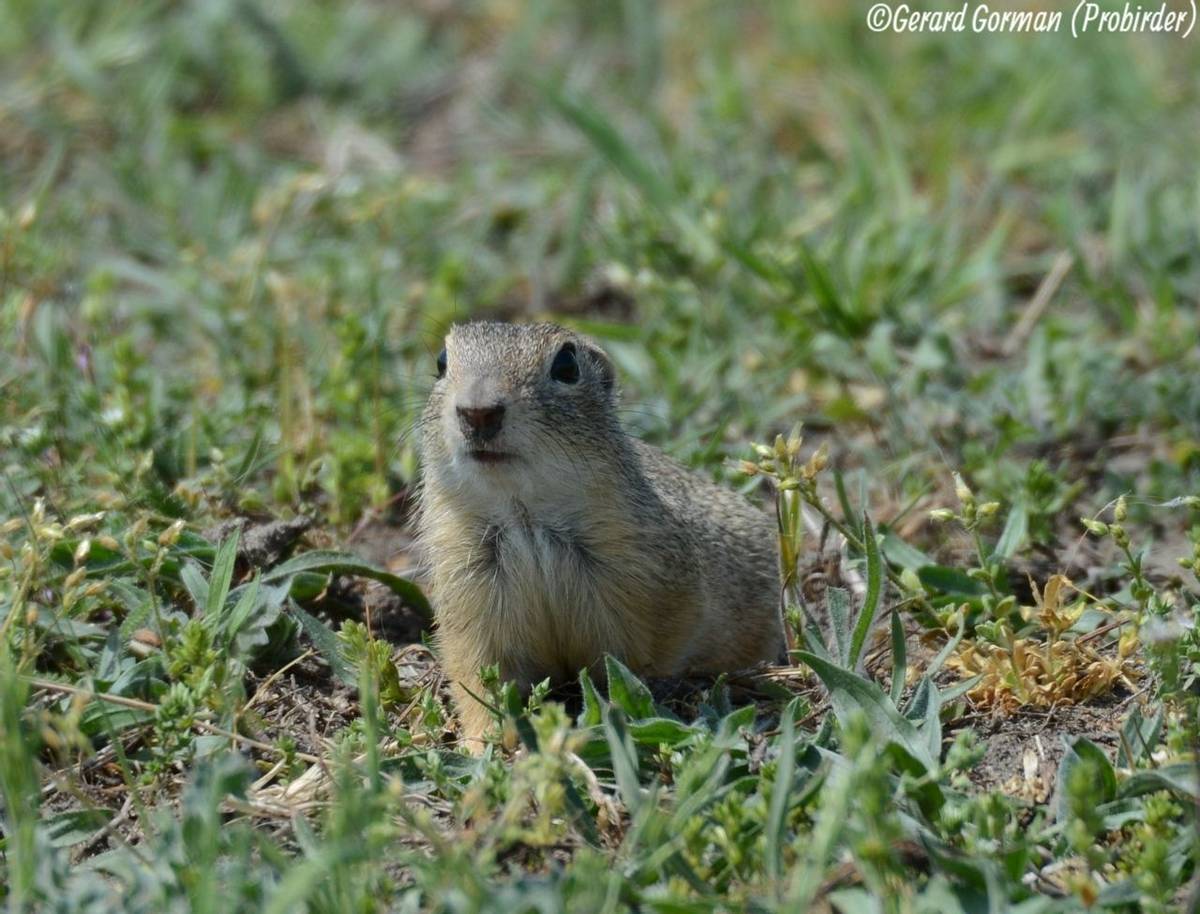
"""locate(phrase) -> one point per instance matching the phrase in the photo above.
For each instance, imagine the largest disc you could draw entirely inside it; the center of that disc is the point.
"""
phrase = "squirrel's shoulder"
(692, 495)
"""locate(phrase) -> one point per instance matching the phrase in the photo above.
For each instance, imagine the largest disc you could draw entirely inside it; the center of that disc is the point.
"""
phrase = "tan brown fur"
(583, 540)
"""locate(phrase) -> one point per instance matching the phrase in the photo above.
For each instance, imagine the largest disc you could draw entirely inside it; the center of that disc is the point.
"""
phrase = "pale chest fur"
(546, 595)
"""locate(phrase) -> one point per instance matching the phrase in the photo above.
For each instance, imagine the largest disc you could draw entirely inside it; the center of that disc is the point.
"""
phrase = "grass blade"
(608, 141)
(237, 617)
(196, 586)
(776, 826)
(899, 658)
(222, 575)
(828, 300)
(329, 562)
(874, 590)
(624, 758)
(838, 601)
(948, 648)
(843, 496)
(1016, 528)
(326, 643)
(850, 692)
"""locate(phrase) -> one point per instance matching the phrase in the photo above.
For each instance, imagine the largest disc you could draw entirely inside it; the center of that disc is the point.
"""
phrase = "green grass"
(231, 237)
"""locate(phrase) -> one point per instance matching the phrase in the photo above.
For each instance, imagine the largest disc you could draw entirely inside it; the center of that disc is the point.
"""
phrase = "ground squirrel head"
(520, 409)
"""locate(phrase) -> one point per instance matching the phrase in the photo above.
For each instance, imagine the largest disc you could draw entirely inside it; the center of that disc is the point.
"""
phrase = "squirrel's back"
(735, 555)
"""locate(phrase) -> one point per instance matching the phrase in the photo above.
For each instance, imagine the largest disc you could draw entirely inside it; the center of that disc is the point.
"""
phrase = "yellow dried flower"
(170, 536)
(962, 492)
(84, 521)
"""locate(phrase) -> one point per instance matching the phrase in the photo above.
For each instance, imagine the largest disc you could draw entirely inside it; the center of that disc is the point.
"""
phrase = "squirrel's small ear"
(603, 365)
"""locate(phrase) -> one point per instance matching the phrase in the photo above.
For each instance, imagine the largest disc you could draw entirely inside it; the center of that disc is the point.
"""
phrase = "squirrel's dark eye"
(441, 364)
(565, 367)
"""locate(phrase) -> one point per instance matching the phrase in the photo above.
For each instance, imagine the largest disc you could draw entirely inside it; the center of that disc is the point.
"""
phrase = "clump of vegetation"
(1040, 667)
(231, 236)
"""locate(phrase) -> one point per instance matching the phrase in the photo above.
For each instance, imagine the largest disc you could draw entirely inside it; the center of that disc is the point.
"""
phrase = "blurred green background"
(232, 234)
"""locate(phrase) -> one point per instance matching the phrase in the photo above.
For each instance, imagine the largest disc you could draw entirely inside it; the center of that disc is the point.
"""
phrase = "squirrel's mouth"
(489, 457)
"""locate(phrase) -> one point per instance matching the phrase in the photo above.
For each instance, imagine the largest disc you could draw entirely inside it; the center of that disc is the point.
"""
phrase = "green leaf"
(918, 704)
(295, 890)
(195, 546)
(948, 648)
(700, 782)
(250, 458)
(245, 627)
(781, 790)
(100, 559)
(1121, 812)
(108, 664)
(900, 553)
(70, 630)
(1016, 528)
(660, 731)
(140, 680)
(1139, 736)
(221, 576)
(866, 616)
(958, 690)
(624, 758)
(610, 143)
(854, 901)
(137, 603)
(102, 718)
(626, 691)
(729, 730)
(825, 293)
(232, 621)
(812, 638)
(764, 267)
(1179, 777)
(950, 581)
(514, 709)
(850, 692)
(848, 512)
(838, 602)
(66, 828)
(580, 815)
(330, 562)
(194, 583)
(326, 643)
(604, 330)
(593, 707)
(1125, 893)
(1105, 788)
(932, 728)
(899, 658)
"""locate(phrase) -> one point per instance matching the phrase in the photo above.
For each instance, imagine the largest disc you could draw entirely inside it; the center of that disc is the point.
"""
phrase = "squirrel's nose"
(482, 423)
